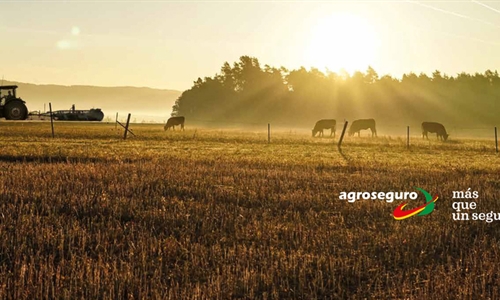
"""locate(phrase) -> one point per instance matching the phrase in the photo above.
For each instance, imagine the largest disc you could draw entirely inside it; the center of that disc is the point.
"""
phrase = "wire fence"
(410, 132)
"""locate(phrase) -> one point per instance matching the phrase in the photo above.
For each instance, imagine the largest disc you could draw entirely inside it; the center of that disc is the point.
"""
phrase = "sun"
(342, 41)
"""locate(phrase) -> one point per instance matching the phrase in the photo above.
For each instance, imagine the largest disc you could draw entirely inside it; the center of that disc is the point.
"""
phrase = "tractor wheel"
(15, 110)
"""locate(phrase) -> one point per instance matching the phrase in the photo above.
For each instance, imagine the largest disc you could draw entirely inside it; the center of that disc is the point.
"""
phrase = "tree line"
(247, 92)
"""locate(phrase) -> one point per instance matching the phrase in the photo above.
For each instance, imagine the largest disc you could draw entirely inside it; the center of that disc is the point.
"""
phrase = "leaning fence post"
(342, 135)
(51, 119)
(116, 121)
(408, 137)
(268, 133)
(496, 139)
(126, 127)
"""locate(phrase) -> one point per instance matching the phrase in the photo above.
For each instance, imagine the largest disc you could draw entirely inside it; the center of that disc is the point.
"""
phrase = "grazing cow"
(362, 124)
(174, 121)
(324, 124)
(434, 127)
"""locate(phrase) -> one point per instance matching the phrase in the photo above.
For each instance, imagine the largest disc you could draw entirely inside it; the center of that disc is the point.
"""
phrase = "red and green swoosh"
(424, 209)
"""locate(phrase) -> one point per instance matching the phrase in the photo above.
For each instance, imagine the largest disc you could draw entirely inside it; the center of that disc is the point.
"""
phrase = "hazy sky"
(169, 44)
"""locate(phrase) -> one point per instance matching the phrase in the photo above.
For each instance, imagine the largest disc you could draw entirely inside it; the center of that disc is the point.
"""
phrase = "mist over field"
(246, 92)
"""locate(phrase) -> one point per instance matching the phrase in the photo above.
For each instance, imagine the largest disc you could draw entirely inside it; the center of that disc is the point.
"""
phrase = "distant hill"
(145, 104)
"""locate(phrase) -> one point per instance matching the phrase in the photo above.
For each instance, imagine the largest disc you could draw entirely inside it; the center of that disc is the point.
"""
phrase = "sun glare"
(341, 41)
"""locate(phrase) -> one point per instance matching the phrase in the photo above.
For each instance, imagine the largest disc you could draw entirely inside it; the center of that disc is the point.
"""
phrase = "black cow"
(362, 124)
(324, 124)
(174, 121)
(434, 127)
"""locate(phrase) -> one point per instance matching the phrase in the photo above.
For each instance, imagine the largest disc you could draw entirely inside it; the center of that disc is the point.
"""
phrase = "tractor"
(11, 107)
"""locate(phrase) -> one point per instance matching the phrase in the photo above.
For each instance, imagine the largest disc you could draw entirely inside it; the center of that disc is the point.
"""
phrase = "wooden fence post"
(116, 121)
(269, 133)
(51, 119)
(126, 127)
(342, 135)
(496, 139)
(408, 137)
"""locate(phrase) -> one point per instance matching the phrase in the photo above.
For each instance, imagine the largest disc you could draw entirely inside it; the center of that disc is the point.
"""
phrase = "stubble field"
(223, 214)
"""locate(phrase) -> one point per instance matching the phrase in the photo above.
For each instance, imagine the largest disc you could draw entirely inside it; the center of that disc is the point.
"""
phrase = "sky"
(169, 44)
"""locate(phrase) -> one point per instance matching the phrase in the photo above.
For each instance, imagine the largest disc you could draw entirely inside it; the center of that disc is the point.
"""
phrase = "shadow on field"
(59, 159)
(455, 142)
(345, 157)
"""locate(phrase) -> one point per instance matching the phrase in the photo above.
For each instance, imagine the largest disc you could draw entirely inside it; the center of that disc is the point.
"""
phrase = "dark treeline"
(249, 93)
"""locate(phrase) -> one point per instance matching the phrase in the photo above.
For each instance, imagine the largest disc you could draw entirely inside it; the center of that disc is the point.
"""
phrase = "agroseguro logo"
(399, 213)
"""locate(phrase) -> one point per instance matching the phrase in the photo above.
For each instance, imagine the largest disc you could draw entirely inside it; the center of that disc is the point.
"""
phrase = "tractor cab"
(7, 92)
(11, 107)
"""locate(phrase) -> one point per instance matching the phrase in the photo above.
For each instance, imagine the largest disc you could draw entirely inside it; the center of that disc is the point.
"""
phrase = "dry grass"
(221, 214)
